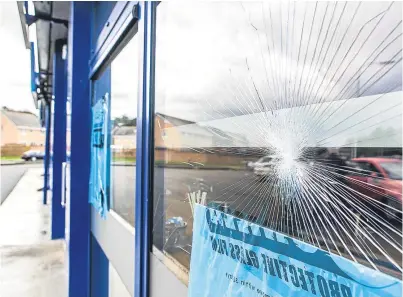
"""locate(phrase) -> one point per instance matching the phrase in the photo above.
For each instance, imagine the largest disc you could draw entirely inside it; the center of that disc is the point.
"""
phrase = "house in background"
(181, 141)
(124, 138)
(21, 129)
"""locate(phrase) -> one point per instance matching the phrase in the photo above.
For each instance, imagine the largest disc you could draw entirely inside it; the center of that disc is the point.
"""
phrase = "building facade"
(21, 128)
(170, 101)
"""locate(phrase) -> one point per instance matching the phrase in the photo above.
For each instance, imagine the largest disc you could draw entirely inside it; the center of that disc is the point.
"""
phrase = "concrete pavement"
(31, 264)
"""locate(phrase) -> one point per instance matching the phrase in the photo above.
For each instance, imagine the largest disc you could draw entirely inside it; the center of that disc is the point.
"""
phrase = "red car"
(381, 179)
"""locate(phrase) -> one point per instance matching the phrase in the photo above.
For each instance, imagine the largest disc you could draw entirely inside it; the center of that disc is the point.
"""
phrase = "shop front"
(232, 149)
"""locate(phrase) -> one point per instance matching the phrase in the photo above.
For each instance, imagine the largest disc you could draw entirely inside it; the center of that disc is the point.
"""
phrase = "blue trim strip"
(79, 85)
(59, 139)
(99, 270)
(144, 157)
(121, 20)
(108, 25)
(101, 13)
(33, 73)
(48, 116)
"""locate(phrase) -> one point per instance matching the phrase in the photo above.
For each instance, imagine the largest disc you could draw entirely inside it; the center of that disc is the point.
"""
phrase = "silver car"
(264, 166)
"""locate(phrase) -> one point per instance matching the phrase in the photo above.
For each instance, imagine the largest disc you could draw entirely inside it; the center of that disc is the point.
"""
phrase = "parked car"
(250, 165)
(264, 166)
(33, 155)
(380, 179)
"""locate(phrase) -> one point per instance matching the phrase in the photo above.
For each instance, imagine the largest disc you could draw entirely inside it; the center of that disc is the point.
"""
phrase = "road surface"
(10, 175)
(241, 190)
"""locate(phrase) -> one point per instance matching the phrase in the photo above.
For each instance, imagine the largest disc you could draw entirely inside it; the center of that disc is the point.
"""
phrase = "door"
(114, 95)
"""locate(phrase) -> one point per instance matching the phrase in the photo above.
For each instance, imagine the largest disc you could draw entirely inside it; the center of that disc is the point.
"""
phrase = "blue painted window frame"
(59, 138)
(78, 238)
(117, 30)
(145, 149)
(121, 20)
(112, 38)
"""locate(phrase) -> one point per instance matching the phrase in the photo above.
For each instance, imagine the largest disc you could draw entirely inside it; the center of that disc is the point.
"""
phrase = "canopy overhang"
(49, 20)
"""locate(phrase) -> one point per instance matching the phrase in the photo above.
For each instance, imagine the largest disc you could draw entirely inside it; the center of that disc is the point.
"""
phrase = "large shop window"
(268, 112)
(124, 74)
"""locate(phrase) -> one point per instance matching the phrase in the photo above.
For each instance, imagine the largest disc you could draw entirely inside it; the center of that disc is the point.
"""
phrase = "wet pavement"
(30, 263)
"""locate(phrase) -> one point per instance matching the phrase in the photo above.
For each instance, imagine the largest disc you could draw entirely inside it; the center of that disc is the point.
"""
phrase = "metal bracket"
(136, 11)
(64, 183)
(30, 19)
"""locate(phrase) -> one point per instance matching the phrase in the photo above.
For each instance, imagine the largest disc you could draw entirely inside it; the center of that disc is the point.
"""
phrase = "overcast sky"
(204, 51)
(15, 73)
(224, 63)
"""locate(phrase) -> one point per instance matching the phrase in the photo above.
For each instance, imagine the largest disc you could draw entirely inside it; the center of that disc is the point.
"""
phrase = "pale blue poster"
(99, 157)
(234, 258)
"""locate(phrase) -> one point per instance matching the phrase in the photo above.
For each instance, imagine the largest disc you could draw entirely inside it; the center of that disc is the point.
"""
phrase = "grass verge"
(10, 158)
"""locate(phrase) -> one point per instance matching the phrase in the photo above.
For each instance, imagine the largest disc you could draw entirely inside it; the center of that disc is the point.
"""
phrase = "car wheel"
(33, 159)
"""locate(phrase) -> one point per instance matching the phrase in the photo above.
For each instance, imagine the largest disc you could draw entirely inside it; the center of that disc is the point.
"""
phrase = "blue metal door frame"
(145, 150)
(79, 92)
(59, 139)
(109, 25)
(99, 263)
(88, 265)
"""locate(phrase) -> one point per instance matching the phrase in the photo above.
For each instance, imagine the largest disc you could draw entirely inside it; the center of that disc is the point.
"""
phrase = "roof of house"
(131, 130)
(188, 127)
(22, 118)
(124, 130)
(175, 121)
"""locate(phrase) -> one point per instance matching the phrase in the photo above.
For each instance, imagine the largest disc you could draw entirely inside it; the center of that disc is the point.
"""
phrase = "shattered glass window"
(266, 110)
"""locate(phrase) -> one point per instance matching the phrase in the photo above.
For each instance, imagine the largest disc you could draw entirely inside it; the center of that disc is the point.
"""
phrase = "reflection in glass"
(124, 74)
(287, 114)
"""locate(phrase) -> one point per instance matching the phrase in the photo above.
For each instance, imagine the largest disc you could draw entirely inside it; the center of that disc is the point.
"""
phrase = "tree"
(124, 121)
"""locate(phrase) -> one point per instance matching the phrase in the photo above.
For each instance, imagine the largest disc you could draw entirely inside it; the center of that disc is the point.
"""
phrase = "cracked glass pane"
(285, 114)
